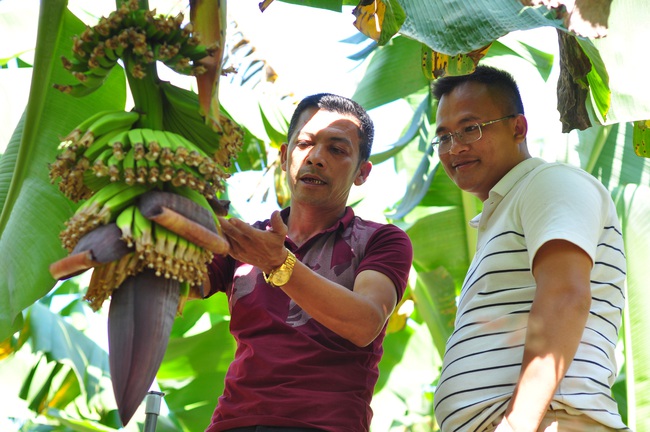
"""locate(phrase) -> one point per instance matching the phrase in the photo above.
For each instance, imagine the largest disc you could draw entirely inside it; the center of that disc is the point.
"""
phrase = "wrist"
(284, 254)
(281, 274)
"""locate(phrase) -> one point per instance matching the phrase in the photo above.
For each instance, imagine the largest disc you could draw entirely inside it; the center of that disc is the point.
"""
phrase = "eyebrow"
(332, 138)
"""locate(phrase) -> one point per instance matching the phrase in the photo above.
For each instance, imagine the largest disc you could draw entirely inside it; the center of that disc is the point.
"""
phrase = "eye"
(303, 144)
(444, 139)
(470, 128)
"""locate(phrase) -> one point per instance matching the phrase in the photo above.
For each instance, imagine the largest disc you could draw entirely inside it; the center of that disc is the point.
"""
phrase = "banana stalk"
(146, 248)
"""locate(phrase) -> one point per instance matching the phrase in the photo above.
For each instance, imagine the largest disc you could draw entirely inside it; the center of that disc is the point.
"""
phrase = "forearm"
(552, 339)
(352, 315)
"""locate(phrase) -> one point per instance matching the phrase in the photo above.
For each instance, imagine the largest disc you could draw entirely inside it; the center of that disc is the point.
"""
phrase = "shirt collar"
(342, 224)
(513, 176)
(504, 186)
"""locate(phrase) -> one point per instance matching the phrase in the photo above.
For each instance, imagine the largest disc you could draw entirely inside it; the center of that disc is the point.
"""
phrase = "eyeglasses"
(466, 135)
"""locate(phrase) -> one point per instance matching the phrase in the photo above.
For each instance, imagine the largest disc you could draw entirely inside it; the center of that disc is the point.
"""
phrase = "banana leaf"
(33, 210)
(633, 205)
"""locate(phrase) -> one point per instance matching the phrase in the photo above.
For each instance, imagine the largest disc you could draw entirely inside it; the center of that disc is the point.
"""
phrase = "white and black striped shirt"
(534, 203)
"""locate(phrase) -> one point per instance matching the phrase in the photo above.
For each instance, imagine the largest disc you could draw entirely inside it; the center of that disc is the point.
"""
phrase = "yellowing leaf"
(209, 20)
(641, 138)
(436, 65)
(370, 17)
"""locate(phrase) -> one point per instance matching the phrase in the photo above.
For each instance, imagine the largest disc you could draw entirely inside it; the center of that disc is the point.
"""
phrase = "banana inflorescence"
(146, 181)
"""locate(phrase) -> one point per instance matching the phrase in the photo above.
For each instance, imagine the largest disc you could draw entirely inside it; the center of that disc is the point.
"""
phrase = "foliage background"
(55, 369)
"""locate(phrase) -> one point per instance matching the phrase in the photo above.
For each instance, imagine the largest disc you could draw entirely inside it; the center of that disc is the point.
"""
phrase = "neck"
(306, 221)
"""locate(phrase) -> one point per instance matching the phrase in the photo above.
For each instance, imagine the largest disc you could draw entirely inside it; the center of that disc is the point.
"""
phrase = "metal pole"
(152, 410)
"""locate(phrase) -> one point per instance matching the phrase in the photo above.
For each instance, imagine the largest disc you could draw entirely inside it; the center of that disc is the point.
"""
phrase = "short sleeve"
(389, 251)
(563, 203)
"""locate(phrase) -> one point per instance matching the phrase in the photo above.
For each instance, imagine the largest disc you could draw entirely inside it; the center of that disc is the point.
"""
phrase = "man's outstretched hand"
(263, 249)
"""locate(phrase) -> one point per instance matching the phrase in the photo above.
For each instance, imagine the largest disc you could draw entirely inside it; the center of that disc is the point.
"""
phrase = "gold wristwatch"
(282, 274)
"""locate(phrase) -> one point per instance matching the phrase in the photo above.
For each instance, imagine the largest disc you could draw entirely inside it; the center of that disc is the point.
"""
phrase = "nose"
(316, 156)
(457, 145)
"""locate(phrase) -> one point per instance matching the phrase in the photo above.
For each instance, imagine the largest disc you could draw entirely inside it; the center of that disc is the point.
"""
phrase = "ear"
(521, 127)
(364, 172)
(284, 149)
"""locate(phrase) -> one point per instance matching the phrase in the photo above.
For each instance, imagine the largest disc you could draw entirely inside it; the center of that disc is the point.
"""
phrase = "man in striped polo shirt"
(538, 317)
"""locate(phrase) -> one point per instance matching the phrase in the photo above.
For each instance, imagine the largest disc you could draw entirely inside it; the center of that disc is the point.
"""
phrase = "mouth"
(461, 164)
(312, 180)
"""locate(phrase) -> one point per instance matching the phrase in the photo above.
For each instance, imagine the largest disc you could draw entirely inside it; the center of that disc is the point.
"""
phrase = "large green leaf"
(633, 205)
(607, 153)
(192, 374)
(622, 52)
(457, 26)
(33, 210)
(393, 73)
(405, 397)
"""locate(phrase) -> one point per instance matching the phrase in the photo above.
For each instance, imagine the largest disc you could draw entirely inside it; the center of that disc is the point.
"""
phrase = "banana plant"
(433, 306)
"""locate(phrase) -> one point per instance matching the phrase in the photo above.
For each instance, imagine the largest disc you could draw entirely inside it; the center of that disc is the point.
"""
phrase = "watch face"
(281, 277)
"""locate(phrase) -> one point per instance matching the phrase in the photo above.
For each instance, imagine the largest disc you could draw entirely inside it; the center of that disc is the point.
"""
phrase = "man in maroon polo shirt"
(311, 289)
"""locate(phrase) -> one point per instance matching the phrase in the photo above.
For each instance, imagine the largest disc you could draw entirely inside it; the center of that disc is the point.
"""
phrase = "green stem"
(599, 144)
(147, 95)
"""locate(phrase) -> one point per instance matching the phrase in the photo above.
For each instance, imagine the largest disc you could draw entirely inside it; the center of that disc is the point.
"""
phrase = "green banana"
(74, 90)
(111, 121)
(73, 65)
(114, 168)
(152, 144)
(128, 166)
(124, 222)
(123, 199)
(100, 163)
(104, 142)
(185, 151)
(88, 215)
(99, 198)
(153, 173)
(142, 235)
(82, 127)
(141, 171)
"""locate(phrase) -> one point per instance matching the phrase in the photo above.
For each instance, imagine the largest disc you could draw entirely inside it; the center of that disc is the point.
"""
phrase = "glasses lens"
(471, 133)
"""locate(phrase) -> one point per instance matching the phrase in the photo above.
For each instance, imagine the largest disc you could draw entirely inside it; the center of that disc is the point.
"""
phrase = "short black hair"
(497, 79)
(342, 105)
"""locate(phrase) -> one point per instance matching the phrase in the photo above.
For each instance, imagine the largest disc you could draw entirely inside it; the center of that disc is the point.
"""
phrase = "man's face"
(322, 159)
(476, 167)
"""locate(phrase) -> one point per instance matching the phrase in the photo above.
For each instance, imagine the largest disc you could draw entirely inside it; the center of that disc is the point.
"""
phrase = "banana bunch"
(138, 34)
(133, 156)
(72, 166)
(141, 240)
(146, 181)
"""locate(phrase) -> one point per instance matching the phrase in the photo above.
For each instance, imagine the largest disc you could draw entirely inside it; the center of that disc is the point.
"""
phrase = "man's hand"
(262, 249)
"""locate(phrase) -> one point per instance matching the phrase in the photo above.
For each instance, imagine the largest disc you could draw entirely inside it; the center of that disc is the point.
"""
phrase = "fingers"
(261, 248)
(277, 224)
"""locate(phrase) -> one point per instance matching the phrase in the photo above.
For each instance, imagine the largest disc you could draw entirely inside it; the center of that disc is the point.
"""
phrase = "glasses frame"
(458, 135)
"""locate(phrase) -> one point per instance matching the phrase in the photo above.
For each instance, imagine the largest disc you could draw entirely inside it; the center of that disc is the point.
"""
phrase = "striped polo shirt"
(534, 203)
